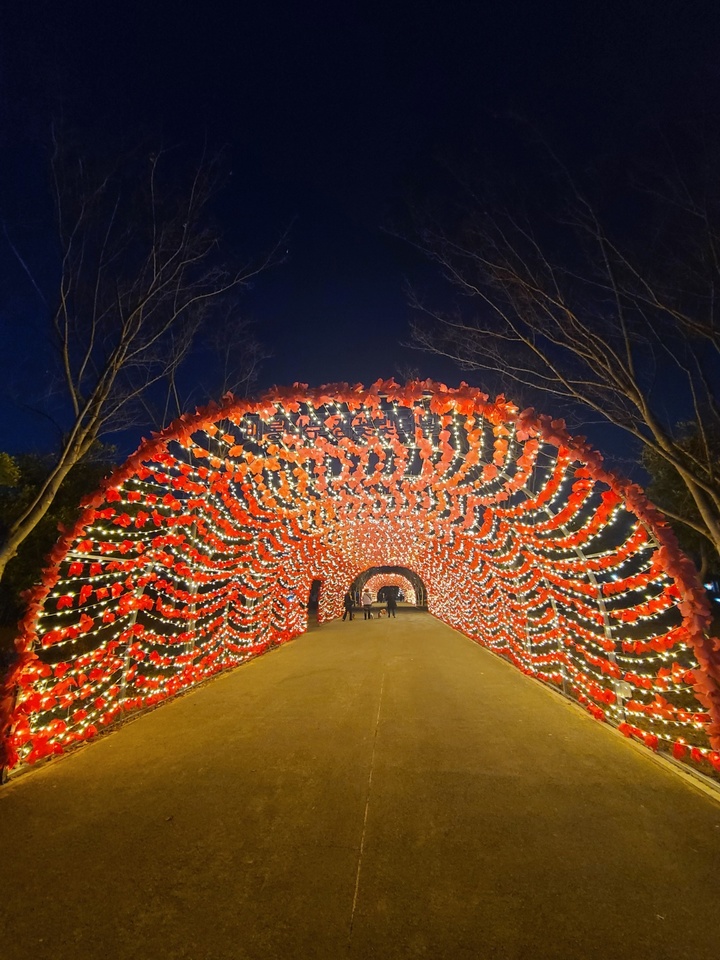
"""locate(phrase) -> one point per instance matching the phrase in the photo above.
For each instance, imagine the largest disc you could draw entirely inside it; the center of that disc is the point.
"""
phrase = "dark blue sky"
(329, 113)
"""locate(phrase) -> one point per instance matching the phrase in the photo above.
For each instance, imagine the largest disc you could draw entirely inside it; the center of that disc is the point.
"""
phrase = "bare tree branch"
(140, 274)
(561, 306)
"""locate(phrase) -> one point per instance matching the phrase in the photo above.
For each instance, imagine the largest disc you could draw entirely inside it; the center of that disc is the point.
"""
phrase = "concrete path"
(372, 790)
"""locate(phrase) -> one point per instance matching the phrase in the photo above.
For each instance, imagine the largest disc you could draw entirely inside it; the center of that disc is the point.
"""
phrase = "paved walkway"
(372, 790)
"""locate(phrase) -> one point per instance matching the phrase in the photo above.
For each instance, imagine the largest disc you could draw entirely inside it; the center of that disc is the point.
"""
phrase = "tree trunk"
(705, 508)
(24, 526)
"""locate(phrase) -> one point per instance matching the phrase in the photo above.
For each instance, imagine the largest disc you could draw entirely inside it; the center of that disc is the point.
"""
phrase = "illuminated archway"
(198, 552)
(377, 581)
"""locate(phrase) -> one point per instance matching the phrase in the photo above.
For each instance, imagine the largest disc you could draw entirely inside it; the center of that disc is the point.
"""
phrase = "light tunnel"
(200, 552)
(377, 581)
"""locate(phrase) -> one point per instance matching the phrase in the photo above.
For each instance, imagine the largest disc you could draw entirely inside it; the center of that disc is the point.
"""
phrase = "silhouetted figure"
(367, 604)
(391, 605)
(348, 602)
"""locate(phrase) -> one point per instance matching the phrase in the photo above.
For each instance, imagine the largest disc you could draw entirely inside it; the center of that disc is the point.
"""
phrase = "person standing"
(391, 605)
(348, 603)
(367, 604)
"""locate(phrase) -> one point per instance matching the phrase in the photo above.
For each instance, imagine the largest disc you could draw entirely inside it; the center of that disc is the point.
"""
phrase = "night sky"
(330, 114)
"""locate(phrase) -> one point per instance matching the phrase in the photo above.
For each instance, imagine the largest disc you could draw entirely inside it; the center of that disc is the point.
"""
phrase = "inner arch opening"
(399, 579)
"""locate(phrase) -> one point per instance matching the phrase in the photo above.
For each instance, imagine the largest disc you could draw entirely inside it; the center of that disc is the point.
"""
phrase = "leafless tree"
(140, 273)
(227, 359)
(627, 329)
